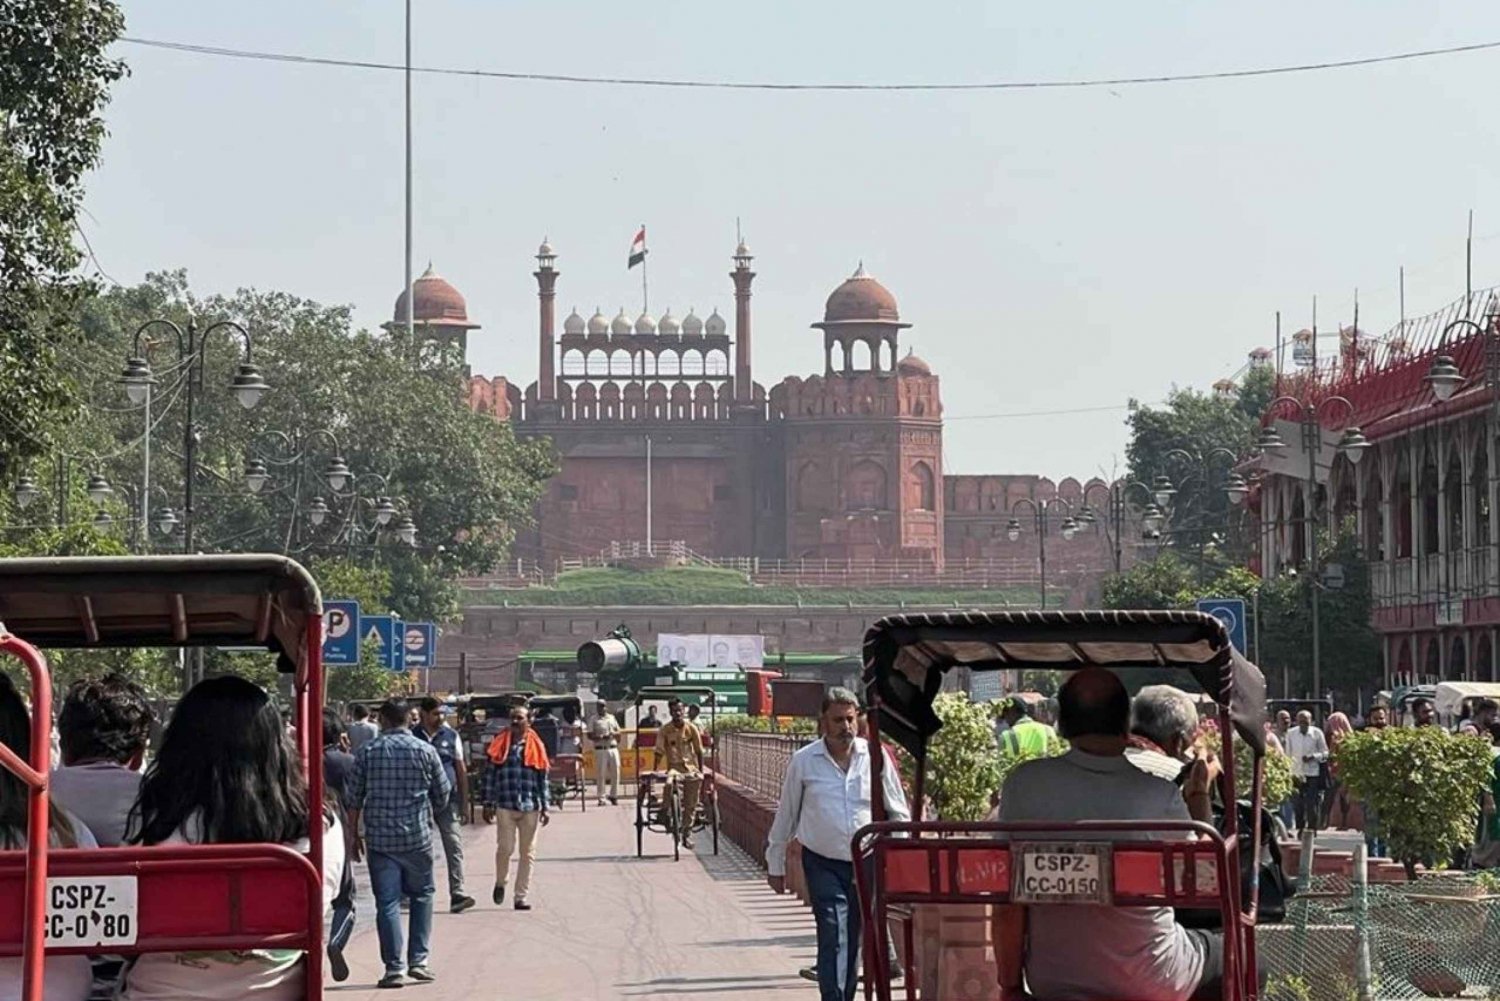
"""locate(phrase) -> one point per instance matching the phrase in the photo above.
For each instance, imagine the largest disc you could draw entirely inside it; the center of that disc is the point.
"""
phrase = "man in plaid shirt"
(515, 785)
(397, 786)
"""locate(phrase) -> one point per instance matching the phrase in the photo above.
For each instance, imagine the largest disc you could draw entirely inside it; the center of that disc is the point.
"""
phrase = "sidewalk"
(606, 925)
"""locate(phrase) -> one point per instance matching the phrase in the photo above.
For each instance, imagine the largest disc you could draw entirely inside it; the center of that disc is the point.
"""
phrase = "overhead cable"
(765, 85)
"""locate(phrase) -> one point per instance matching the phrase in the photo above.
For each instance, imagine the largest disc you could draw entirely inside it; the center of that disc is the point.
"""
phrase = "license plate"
(1077, 873)
(91, 911)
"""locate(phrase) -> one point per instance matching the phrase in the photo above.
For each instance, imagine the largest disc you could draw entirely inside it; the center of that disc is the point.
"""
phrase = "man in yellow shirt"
(680, 743)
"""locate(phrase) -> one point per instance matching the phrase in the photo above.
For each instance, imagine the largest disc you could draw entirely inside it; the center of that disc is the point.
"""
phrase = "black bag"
(1276, 887)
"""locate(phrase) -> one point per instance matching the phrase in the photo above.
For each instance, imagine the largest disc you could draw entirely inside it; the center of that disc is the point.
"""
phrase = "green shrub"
(1424, 784)
(1277, 783)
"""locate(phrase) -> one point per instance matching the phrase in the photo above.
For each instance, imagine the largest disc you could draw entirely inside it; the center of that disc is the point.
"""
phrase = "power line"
(621, 81)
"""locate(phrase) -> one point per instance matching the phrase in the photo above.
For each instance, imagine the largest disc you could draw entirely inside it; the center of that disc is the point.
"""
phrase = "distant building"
(845, 464)
(1422, 497)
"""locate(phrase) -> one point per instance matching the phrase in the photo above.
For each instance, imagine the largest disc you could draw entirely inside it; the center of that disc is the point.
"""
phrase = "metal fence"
(1432, 938)
(758, 761)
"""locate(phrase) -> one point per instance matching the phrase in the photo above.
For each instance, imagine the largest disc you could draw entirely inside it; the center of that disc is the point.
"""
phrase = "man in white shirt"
(1308, 749)
(1082, 952)
(103, 729)
(1163, 722)
(824, 800)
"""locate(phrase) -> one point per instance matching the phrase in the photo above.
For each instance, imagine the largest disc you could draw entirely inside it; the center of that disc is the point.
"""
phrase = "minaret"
(744, 387)
(546, 282)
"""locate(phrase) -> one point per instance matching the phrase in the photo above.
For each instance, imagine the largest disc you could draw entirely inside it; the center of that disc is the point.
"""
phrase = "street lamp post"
(1039, 511)
(1117, 501)
(1352, 445)
(1445, 377)
(248, 386)
(295, 451)
(1203, 466)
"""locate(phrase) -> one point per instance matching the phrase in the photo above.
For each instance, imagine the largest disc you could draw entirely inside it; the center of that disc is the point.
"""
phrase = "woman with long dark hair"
(68, 978)
(226, 773)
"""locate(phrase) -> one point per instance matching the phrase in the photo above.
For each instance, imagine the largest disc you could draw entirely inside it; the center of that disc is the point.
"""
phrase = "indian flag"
(637, 249)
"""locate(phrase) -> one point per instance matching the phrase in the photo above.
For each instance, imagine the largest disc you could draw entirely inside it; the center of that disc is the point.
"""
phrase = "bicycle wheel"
(640, 820)
(674, 820)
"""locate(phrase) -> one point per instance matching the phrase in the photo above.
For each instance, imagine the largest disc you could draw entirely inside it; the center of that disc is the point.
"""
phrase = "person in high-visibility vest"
(1026, 735)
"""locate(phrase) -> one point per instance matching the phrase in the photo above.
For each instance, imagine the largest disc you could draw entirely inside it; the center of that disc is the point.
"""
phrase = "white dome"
(545, 250)
(715, 325)
(574, 324)
(598, 324)
(692, 324)
(621, 323)
(668, 324)
(644, 324)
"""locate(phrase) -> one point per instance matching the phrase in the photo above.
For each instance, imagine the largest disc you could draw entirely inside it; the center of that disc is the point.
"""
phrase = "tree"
(397, 415)
(1424, 785)
(54, 83)
(1202, 517)
(963, 762)
(1349, 647)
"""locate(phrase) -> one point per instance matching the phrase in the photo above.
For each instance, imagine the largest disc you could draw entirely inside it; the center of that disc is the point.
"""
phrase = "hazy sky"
(1055, 250)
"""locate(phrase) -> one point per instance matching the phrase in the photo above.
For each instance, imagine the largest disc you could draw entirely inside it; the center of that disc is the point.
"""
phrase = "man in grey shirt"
(361, 729)
(103, 729)
(1085, 952)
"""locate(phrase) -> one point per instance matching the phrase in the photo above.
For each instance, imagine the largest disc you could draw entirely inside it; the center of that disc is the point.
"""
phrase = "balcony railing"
(1435, 577)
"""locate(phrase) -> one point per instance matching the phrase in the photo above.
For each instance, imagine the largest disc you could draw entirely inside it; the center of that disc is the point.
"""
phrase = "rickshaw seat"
(189, 897)
(978, 869)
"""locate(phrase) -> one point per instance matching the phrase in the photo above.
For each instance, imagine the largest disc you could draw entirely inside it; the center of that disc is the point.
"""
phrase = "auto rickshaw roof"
(1449, 696)
(161, 601)
(906, 657)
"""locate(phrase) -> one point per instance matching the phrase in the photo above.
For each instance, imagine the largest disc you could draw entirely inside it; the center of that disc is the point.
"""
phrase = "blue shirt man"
(397, 786)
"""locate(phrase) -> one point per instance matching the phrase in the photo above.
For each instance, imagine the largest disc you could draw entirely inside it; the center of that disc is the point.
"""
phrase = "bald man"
(1085, 951)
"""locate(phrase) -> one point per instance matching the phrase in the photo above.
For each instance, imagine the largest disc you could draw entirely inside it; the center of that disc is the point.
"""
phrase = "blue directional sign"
(379, 632)
(1231, 612)
(421, 645)
(398, 646)
(340, 633)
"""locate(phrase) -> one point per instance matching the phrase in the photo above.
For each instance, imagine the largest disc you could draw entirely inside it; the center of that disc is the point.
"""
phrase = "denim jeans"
(453, 845)
(341, 924)
(408, 874)
(830, 884)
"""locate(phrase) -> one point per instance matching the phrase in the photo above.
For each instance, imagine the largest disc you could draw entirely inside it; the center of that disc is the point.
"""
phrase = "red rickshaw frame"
(906, 658)
(244, 896)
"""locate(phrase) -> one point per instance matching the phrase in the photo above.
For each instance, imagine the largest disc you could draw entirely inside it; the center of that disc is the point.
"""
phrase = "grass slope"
(713, 586)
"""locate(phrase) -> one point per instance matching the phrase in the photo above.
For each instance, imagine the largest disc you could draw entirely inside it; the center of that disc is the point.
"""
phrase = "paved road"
(606, 925)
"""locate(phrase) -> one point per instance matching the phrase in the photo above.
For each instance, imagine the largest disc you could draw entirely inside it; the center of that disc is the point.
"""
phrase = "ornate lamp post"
(1353, 445)
(248, 386)
(1117, 500)
(1203, 467)
(1039, 511)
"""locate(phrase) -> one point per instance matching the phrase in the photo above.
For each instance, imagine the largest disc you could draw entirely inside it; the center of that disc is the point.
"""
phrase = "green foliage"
(1277, 784)
(963, 763)
(1288, 987)
(364, 681)
(1423, 783)
(399, 415)
(54, 83)
(716, 586)
(1349, 647)
(744, 723)
(1202, 516)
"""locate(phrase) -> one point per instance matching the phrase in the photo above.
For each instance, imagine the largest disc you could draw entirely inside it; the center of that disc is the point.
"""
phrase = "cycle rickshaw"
(163, 898)
(658, 795)
(903, 864)
(566, 776)
(480, 718)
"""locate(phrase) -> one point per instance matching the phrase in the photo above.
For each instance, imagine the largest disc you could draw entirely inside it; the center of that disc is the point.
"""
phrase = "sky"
(1058, 252)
